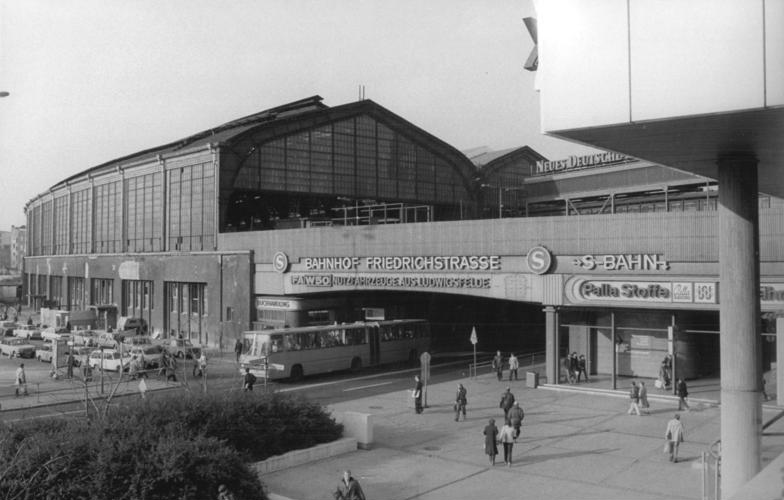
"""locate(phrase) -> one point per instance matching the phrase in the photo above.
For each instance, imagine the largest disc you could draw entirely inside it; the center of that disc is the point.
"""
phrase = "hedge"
(165, 448)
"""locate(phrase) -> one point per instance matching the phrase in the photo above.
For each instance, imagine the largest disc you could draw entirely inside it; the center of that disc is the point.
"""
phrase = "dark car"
(138, 326)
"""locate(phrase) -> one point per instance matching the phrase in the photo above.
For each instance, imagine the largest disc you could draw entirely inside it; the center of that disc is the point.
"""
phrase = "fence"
(527, 360)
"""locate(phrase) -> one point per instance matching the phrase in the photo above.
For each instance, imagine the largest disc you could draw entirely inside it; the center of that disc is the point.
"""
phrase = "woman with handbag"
(491, 438)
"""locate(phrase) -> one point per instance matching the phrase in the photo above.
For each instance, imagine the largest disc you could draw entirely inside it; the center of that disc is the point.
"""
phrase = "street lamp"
(501, 190)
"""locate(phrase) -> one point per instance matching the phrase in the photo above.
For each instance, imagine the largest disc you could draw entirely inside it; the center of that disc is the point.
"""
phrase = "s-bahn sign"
(622, 262)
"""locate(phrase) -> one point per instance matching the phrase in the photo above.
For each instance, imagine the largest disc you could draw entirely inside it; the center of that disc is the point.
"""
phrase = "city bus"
(309, 350)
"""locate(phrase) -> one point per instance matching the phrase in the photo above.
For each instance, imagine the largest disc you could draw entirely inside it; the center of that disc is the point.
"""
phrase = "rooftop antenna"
(361, 92)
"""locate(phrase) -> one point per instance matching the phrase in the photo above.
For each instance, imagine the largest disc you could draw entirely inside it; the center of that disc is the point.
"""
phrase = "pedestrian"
(634, 395)
(506, 437)
(417, 395)
(683, 393)
(582, 368)
(498, 365)
(248, 380)
(666, 368)
(514, 365)
(70, 362)
(674, 437)
(170, 368)
(566, 370)
(765, 395)
(573, 367)
(516, 416)
(491, 435)
(238, 349)
(349, 488)
(461, 401)
(644, 398)
(507, 401)
(21, 381)
(224, 493)
(202, 364)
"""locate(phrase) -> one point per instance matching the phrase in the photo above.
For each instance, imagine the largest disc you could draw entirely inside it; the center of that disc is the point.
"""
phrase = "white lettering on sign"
(405, 263)
(330, 263)
(438, 263)
(273, 304)
(622, 262)
(644, 291)
(389, 281)
(577, 162)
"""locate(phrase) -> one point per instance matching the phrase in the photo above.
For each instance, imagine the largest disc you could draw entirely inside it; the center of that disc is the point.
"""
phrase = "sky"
(90, 81)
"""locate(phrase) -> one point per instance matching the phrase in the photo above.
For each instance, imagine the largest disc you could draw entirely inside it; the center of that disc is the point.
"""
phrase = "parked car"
(44, 353)
(112, 360)
(7, 328)
(183, 348)
(84, 337)
(16, 347)
(50, 335)
(28, 332)
(151, 355)
(135, 326)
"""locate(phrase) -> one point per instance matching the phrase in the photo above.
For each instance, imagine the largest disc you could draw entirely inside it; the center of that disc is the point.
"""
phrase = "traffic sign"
(473, 336)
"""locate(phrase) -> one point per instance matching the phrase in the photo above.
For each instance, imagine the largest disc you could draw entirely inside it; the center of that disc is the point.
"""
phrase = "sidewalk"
(577, 442)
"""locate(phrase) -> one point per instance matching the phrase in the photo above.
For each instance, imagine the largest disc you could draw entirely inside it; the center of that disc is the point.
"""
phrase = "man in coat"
(498, 365)
(683, 393)
(349, 488)
(516, 416)
(417, 395)
(507, 401)
(674, 436)
(461, 401)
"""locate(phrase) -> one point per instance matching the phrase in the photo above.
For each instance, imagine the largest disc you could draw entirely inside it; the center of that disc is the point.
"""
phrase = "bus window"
(355, 337)
(276, 343)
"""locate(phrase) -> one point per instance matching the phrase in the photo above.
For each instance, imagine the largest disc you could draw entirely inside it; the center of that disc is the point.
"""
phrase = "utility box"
(532, 380)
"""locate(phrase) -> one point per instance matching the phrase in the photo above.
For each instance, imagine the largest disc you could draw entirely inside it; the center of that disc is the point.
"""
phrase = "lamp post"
(501, 191)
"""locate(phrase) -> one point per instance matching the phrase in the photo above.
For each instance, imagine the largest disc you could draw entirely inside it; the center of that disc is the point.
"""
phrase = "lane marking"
(367, 386)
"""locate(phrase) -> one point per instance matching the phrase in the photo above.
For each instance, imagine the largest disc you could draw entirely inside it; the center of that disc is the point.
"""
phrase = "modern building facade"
(697, 86)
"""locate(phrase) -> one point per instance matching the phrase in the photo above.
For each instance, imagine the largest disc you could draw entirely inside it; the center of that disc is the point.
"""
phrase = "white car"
(28, 332)
(14, 347)
(44, 353)
(111, 360)
(50, 335)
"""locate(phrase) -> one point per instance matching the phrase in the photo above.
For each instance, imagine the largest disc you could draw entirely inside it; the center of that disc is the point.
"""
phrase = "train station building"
(306, 214)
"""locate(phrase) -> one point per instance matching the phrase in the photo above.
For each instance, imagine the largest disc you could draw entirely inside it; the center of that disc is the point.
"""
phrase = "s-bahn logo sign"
(539, 260)
(280, 262)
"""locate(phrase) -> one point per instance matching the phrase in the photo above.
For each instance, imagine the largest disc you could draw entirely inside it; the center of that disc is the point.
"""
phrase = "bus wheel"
(412, 357)
(296, 372)
(356, 364)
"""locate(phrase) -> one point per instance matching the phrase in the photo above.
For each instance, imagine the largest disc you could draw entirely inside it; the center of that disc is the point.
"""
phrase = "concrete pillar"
(552, 345)
(741, 347)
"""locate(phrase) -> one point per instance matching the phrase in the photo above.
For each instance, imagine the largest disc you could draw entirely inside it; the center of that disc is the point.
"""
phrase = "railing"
(711, 472)
(527, 360)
